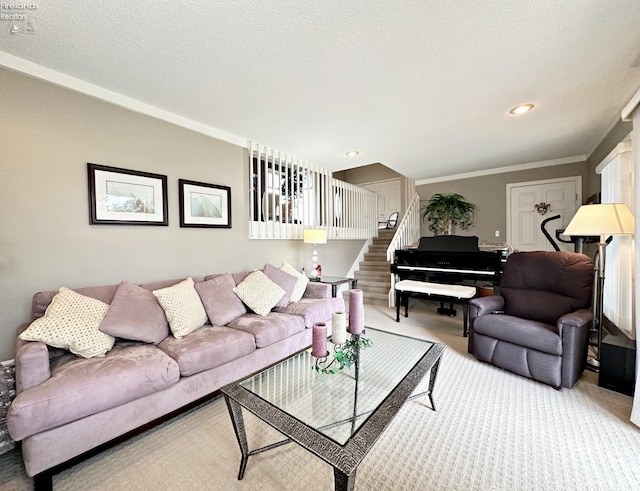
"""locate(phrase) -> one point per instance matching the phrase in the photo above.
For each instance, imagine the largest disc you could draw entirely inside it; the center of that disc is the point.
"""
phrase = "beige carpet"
(492, 431)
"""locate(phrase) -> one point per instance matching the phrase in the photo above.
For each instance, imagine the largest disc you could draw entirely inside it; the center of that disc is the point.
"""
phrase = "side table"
(334, 281)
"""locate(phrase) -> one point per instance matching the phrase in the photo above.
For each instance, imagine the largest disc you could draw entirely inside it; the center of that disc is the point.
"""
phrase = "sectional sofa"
(99, 363)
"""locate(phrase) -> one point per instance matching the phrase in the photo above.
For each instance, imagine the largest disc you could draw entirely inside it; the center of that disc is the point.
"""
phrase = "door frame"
(576, 179)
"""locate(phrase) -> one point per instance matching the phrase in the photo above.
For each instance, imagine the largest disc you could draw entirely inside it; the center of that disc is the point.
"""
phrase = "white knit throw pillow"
(72, 322)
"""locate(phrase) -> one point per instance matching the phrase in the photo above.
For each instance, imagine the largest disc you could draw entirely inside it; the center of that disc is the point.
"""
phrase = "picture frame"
(126, 197)
(204, 205)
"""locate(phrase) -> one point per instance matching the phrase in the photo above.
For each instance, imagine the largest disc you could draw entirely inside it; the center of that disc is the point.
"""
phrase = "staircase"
(374, 276)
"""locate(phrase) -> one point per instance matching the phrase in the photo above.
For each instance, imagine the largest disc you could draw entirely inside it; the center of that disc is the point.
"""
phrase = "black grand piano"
(452, 259)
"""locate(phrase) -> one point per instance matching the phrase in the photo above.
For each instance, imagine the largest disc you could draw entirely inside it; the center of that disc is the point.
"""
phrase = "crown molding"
(502, 170)
(60, 79)
(631, 106)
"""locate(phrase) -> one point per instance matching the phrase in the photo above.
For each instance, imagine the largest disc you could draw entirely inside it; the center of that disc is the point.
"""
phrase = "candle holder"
(344, 355)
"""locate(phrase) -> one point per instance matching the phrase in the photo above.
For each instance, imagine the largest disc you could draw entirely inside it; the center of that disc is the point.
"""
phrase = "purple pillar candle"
(319, 345)
(356, 312)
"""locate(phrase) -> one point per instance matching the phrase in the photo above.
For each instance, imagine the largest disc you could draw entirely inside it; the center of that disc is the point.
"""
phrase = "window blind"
(617, 186)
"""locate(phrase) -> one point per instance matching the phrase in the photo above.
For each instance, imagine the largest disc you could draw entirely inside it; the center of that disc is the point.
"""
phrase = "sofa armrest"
(485, 305)
(32, 363)
(317, 290)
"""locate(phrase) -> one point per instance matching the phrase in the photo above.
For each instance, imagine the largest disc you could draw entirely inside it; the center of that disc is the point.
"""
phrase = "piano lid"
(448, 258)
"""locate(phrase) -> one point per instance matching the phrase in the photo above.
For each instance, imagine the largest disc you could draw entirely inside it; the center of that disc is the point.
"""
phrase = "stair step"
(381, 240)
(374, 287)
(373, 276)
(375, 256)
(375, 298)
(379, 249)
(381, 267)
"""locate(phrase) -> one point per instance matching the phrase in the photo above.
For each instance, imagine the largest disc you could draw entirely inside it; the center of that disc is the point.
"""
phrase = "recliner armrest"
(574, 320)
(485, 305)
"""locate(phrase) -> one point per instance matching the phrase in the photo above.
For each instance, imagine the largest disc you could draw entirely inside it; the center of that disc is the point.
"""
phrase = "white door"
(530, 203)
(388, 197)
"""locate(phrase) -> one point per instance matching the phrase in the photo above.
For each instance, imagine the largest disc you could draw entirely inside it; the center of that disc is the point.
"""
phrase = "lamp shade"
(315, 236)
(603, 219)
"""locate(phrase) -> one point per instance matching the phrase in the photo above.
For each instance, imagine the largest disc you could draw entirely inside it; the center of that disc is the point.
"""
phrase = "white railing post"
(407, 232)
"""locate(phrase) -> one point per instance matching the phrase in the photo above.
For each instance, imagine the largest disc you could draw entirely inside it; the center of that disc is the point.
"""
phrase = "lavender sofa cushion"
(314, 310)
(135, 314)
(284, 280)
(208, 347)
(157, 285)
(239, 277)
(268, 329)
(79, 387)
(219, 300)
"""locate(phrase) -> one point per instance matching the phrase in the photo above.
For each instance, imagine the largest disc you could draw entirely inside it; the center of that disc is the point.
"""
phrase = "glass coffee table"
(337, 417)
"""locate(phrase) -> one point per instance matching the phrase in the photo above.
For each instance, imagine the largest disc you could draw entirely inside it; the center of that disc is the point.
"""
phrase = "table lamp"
(601, 220)
(315, 237)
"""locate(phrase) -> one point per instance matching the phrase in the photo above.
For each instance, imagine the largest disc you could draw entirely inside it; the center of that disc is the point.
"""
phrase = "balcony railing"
(287, 196)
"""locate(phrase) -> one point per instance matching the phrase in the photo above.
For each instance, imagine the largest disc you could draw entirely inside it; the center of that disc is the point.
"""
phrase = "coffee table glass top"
(337, 404)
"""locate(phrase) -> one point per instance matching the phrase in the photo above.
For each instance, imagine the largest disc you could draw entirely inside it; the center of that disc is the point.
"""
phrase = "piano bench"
(436, 291)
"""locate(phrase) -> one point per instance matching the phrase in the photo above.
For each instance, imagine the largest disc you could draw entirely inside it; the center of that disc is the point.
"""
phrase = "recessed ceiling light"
(521, 109)
(352, 153)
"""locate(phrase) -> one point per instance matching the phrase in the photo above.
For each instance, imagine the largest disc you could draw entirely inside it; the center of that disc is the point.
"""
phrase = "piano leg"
(446, 311)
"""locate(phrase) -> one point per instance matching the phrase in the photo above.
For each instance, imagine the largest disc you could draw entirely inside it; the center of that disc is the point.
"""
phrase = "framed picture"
(126, 197)
(204, 205)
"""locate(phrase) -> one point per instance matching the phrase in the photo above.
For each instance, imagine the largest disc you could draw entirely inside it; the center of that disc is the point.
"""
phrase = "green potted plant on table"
(445, 212)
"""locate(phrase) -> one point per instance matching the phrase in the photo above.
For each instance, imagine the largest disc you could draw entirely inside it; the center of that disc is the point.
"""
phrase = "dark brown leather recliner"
(538, 326)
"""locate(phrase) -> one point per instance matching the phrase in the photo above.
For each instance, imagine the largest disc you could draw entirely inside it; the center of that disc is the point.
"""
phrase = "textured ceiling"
(421, 86)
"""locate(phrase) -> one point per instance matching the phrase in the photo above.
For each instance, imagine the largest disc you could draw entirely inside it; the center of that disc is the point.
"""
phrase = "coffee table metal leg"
(235, 411)
(465, 322)
(342, 482)
(432, 382)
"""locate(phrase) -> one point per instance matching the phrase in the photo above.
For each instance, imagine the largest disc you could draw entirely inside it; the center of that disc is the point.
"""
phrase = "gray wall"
(375, 173)
(489, 194)
(366, 174)
(47, 136)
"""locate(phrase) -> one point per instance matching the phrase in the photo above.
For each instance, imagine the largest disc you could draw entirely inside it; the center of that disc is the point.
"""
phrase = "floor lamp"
(315, 237)
(601, 220)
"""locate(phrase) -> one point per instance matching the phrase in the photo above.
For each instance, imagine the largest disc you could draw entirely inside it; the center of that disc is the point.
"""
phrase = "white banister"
(407, 233)
(287, 195)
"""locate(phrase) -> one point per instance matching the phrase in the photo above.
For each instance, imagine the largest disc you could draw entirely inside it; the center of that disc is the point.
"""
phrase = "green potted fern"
(445, 212)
